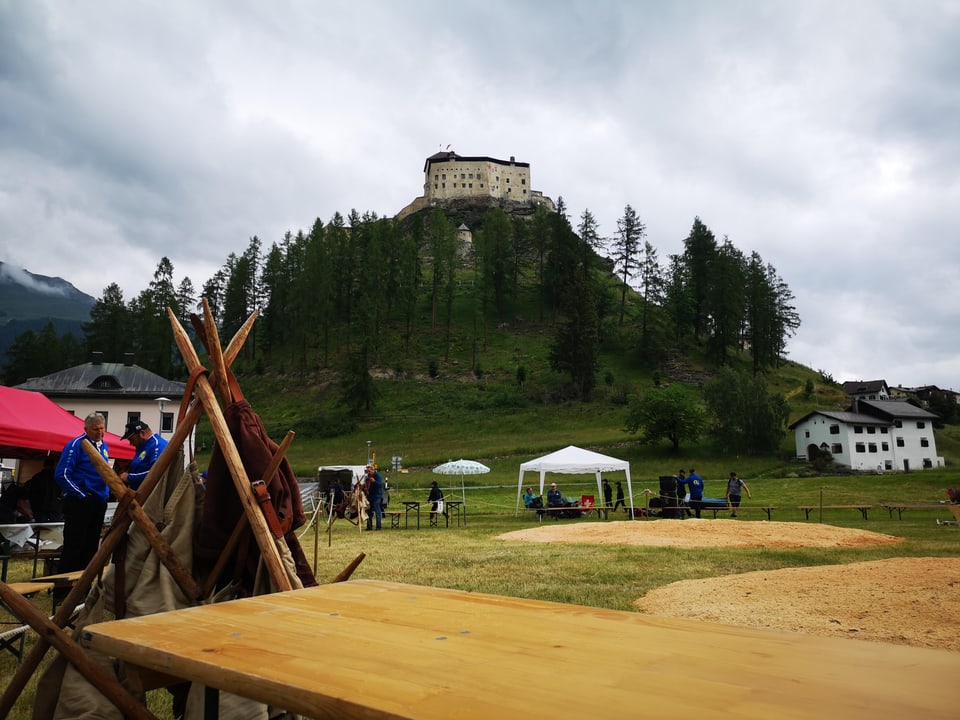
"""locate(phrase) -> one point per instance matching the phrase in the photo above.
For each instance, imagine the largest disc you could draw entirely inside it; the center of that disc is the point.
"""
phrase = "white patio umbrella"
(462, 467)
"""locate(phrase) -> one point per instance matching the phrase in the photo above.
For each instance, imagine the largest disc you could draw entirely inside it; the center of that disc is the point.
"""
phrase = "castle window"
(471, 176)
(471, 186)
(508, 181)
(463, 176)
(443, 185)
(436, 177)
(434, 186)
(463, 185)
(444, 176)
(523, 181)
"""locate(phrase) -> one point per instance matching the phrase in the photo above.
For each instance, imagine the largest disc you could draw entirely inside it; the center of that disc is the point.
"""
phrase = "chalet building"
(448, 177)
(121, 392)
(867, 390)
(872, 435)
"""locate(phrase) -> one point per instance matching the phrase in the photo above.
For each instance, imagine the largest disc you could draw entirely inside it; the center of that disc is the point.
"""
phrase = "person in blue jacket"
(85, 496)
(149, 446)
(695, 488)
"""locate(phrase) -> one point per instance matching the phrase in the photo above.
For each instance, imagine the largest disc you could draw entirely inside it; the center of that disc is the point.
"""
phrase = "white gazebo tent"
(575, 461)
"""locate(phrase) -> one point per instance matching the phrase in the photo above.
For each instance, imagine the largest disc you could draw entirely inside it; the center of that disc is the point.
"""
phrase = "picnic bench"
(900, 507)
(807, 509)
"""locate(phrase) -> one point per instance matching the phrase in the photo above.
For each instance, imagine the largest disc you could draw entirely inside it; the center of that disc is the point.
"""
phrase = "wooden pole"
(261, 532)
(85, 665)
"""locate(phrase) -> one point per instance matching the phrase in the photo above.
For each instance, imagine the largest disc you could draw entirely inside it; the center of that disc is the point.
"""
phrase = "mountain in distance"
(29, 301)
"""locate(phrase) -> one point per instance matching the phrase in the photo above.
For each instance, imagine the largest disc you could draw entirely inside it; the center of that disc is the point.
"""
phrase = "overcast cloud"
(823, 135)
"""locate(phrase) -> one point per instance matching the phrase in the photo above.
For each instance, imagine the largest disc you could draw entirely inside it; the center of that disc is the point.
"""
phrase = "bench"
(807, 509)
(768, 509)
(12, 640)
(900, 507)
(394, 516)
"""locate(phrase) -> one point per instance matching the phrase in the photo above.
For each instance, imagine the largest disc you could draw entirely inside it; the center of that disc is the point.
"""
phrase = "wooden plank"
(372, 649)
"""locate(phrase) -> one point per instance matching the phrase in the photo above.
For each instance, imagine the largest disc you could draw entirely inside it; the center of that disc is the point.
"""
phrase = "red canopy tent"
(31, 425)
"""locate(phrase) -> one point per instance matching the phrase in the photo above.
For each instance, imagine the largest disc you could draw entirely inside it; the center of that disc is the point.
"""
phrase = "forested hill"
(528, 299)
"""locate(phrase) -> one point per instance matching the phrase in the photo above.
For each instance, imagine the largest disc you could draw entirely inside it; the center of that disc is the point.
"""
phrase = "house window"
(861, 448)
(872, 447)
(858, 429)
(898, 423)
(927, 464)
(888, 464)
(834, 429)
(132, 417)
(921, 424)
(885, 446)
(899, 442)
(871, 430)
(924, 442)
(166, 422)
(884, 431)
(106, 418)
(836, 448)
(806, 433)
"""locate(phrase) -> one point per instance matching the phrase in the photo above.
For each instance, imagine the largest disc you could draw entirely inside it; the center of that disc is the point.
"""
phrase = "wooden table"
(409, 505)
(372, 649)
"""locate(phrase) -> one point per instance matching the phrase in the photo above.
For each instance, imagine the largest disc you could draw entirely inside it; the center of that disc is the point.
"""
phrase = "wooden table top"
(373, 649)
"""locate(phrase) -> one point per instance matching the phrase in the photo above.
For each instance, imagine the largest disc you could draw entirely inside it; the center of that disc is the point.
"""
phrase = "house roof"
(842, 416)
(890, 409)
(124, 380)
(854, 387)
(871, 412)
(450, 156)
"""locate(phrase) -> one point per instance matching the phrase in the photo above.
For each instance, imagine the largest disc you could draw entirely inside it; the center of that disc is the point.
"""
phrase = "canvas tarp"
(572, 460)
(32, 425)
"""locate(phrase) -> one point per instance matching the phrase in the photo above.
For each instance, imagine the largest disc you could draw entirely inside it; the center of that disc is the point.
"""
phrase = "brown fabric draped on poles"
(222, 508)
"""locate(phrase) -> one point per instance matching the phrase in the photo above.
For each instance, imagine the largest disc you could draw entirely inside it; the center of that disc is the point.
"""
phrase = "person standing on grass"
(695, 488)
(734, 485)
(607, 498)
(374, 496)
(620, 502)
(85, 496)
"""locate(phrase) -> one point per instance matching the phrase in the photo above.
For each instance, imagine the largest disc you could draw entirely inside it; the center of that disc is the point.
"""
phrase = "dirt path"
(910, 601)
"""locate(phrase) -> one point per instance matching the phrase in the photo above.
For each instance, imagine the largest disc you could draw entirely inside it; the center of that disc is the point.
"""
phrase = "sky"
(825, 136)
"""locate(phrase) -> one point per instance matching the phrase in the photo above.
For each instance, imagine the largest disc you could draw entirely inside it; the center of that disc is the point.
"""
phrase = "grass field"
(471, 558)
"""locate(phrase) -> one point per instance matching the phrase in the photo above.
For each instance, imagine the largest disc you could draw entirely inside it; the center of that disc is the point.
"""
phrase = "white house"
(872, 435)
(867, 390)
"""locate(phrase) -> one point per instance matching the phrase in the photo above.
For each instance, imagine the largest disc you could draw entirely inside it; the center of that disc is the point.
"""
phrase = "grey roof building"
(98, 379)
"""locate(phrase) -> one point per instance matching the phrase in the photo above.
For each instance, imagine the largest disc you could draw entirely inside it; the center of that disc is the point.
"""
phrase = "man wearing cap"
(148, 445)
(85, 496)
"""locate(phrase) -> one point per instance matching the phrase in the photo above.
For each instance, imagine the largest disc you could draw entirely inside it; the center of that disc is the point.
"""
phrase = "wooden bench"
(807, 509)
(900, 507)
(768, 509)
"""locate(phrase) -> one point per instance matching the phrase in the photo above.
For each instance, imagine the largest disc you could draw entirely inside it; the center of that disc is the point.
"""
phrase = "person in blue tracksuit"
(85, 496)
(149, 446)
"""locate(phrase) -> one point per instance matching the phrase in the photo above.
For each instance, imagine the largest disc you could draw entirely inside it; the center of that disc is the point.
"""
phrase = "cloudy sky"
(823, 135)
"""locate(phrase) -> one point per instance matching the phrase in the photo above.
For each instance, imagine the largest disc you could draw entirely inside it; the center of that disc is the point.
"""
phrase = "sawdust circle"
(908, 601)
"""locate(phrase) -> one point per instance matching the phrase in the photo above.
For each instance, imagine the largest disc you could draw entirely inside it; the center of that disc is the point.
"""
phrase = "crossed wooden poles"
(50, 631)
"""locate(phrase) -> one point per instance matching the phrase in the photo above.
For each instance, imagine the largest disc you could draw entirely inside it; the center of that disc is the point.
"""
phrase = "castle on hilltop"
(448, 178)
